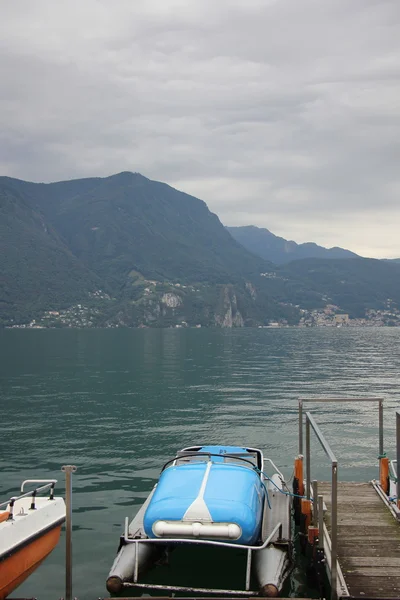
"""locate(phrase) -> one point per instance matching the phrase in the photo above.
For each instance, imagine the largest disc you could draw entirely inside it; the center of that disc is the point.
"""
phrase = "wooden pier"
(368, 540)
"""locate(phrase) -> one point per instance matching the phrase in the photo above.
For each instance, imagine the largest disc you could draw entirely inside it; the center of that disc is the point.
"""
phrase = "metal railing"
(390, 494)
(49, 483)
(334, 400)
(310, 422)
(318, 501)
(188, 541)
(397, 457)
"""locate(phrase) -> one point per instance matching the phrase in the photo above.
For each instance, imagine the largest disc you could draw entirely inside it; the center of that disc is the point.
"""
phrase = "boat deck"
(368, 538)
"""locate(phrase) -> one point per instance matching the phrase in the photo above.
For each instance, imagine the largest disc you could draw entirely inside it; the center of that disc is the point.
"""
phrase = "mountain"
(276, 249)
(127, 251)
(127, 222)
(158, 253)
(37, 268)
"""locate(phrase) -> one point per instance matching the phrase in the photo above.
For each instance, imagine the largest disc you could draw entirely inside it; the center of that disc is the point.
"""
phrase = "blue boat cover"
(231, 490)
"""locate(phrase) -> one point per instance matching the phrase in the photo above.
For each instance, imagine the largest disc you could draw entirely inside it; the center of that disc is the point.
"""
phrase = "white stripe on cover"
(198, 510)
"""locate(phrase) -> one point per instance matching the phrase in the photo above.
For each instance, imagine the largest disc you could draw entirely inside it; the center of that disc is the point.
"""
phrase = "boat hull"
(27, 536)
(23, 560)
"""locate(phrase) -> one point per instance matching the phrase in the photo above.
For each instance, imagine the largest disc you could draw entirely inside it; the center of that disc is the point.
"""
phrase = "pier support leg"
(68, 470)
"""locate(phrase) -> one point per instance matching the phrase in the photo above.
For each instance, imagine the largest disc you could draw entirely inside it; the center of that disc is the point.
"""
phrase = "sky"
(283, 114)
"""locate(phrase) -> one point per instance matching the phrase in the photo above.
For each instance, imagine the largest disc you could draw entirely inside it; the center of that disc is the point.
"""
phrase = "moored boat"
(30, 528)
(211, 496)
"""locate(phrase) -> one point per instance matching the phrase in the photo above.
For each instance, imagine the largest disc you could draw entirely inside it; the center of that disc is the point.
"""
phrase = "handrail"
(51, 483)
(273, 465)
(397, 458)
(47, 481)
(310, 422)
(326, 399)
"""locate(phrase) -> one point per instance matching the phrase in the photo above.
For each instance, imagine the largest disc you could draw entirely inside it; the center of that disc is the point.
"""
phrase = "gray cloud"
(279, 113)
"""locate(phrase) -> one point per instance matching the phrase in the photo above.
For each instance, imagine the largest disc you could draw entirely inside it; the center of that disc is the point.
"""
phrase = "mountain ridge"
(157, 210)
(264, 243)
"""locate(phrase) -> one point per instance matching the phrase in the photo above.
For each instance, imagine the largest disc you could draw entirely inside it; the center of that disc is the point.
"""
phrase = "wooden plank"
(363, 504)
(369, 532)
(376, 542)
(368, 540)
(374, 561)
(372, 572)
(365, 589)
(380, 523)
(348, 551)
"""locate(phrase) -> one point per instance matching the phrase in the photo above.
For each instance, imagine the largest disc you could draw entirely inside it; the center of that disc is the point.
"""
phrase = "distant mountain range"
(127, 251)
(280, 251)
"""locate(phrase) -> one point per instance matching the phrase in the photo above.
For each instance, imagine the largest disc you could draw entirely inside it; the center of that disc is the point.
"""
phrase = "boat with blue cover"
(211, 496)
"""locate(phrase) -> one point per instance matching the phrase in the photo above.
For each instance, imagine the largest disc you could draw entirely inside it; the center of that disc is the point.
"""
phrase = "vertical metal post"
(11, 509)
(68, 470)
(398, 457)
(300, 426)
(334, 532)
(136, 569)
(380, 427)
(320, 521)
(33, 502)
(308, 459)
(126, 531)
(315, 502)
(248, 569)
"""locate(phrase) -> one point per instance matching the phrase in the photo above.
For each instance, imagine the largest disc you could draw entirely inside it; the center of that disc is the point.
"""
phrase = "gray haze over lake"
(119, 403)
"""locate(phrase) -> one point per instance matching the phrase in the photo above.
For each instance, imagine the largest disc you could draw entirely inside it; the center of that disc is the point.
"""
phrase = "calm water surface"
(119, 403)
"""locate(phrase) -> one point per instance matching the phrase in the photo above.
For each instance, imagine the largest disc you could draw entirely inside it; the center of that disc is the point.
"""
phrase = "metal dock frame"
(179, 541)
(329, 543)
(302, 400)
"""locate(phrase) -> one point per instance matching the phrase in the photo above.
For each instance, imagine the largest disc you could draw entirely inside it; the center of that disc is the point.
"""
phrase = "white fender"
(270, 565)
(124, 564)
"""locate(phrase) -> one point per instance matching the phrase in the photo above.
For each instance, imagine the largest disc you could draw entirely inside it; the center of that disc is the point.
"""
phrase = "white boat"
(30, 528)
(211, 496)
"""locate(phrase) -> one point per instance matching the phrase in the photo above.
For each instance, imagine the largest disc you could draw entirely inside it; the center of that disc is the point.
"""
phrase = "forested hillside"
(141, 240)
(352, 284)
(127, 251)
(129, 223)
(38, 271)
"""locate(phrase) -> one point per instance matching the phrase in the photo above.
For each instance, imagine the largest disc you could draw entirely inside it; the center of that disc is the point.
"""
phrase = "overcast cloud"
(284, 114)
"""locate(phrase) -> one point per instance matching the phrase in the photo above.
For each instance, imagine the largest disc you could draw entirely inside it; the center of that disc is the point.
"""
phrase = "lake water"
(119, 403)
